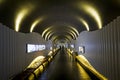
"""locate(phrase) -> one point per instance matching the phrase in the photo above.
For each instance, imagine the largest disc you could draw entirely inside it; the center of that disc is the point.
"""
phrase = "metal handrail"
(28, 71)
(96, 75)
(91, 71)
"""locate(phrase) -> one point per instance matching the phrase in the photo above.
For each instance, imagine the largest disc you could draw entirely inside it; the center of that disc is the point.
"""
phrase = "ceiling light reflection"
(92, 12)
(74, 29)
(35, 23)
(85, 23)
(47, 29)
(1, 1)
(22, 13)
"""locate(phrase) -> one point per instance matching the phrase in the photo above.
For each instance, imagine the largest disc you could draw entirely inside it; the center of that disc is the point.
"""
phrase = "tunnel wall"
(102, 49)
(13, 56)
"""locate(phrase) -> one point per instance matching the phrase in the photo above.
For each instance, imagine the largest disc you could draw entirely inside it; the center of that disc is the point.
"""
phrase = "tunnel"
(59, 40)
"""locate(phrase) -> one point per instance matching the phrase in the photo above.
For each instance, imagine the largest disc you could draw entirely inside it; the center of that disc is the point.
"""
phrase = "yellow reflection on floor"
(84, 75)
(87, 65)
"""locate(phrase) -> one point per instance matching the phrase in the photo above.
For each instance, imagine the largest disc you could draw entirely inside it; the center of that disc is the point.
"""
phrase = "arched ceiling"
(61, 18)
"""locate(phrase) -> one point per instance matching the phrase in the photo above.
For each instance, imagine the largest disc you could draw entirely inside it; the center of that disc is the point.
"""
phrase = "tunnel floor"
(63, 67)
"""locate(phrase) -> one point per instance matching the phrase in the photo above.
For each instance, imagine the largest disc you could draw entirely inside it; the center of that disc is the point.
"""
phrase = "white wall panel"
(13, 56)
(103, 49)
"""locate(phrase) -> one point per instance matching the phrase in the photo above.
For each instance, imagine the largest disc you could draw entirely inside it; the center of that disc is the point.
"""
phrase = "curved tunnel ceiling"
(51, 31)
(76, 15)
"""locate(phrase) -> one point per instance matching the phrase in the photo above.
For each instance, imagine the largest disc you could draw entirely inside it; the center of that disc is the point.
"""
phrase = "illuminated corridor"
(60, 40)
(63, 67)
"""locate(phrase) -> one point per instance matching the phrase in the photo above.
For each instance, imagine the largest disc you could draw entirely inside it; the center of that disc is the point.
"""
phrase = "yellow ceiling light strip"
(75, 30)
(84, 22)
(50, 33)
(22, 13)
(47, 29)
(1, 1)
(19, 18)
(93, 12)
(72, 32)
(35, 23)
(56, 40)
(47, 34)
(68, 37)
(71, 35)
(54, 37)
(67, 40)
